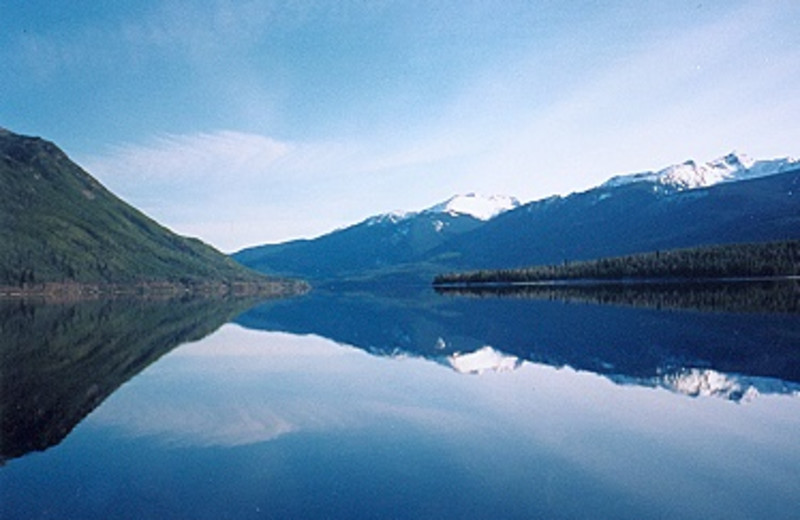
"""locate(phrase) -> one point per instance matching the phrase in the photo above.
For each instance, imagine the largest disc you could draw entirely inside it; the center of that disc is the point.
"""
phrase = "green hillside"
(60, 225)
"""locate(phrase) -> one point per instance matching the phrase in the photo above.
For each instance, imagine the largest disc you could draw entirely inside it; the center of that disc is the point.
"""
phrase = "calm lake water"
(418, 406)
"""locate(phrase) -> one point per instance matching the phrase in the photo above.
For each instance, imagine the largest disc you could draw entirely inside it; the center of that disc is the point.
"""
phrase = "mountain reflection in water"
(367, 406)
(693, 352)
(61, 360)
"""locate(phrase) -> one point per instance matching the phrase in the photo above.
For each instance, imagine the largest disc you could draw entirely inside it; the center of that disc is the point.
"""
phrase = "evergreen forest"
(729, 261)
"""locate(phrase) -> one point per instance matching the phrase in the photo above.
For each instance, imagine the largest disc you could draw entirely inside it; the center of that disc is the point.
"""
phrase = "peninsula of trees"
(730, 261)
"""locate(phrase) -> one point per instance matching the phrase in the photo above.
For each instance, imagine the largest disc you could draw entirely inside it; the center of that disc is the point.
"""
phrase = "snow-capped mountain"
(677, 351)
(704, 382)
(480, 207)
(684, 205)
(691, 175)
(474, 205)
(379, 242)
(639, 214)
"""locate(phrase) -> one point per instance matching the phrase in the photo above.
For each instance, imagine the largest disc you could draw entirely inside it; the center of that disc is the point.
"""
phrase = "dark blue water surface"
(356, 407)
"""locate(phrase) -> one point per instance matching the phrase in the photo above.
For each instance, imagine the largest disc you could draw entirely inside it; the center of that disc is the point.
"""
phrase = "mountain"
(689, 175)
(59, 225)
(729, 200)
(377, 243)
(697, 382)
(630, 218)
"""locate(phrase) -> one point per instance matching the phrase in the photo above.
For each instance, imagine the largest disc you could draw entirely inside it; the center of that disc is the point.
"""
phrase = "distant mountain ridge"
(631, 218)
(59, 225)
(377, 242)
(729, 200)
(690, 175)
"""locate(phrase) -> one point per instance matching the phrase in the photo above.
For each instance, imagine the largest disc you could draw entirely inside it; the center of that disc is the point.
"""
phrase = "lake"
(409, 405)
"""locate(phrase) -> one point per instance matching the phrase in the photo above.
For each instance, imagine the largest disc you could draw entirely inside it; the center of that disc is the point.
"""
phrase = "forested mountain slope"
(60, 225)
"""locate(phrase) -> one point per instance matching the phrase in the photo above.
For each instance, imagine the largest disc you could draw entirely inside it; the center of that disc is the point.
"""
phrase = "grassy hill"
(60, 225)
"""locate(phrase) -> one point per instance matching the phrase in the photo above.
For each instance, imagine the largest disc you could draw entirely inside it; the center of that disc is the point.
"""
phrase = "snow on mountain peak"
(478, 206)
(483, 360)
(690, 175)
(706, 382)
(392, 217)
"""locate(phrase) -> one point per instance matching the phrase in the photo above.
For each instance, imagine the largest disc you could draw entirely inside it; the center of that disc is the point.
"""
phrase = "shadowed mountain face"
(60, 225)
(625, 343)
(60, 361)
(373, 245)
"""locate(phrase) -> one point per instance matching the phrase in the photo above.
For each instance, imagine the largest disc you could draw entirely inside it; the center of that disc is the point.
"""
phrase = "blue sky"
(259, 121)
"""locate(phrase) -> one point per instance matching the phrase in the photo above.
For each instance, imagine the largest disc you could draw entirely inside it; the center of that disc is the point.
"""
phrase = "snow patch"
(477, 206)
(483, 360)
(392, 218)
(690, 175)
(702, 382)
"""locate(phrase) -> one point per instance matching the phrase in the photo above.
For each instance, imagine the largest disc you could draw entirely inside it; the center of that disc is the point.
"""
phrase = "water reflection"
(234, 388)
(359, 406)
(61, 360)
(762, 296)
(303, 427)
(695, 353)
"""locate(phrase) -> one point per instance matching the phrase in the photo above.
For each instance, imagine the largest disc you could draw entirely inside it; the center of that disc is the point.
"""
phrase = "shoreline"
(69, 291)
(743, 294)
(621, 282)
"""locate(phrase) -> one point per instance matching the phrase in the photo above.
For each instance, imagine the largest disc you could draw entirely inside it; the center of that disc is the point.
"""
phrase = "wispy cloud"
(203, 156)
(686, 92)
(236, 189)
(222, 156)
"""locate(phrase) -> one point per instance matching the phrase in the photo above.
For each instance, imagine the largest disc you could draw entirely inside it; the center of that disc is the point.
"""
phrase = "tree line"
(769, 259)
(759, 296)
